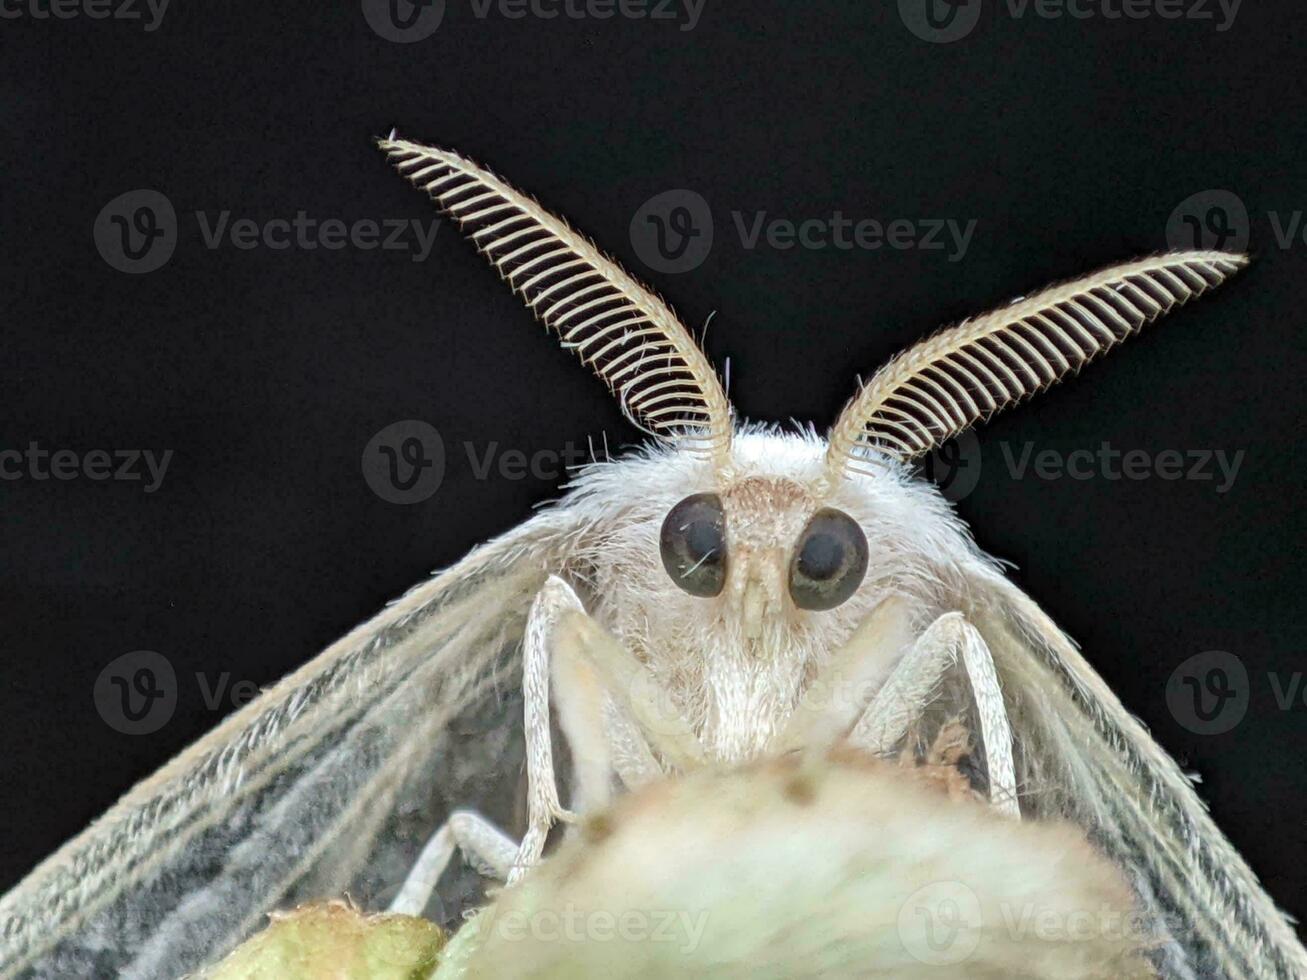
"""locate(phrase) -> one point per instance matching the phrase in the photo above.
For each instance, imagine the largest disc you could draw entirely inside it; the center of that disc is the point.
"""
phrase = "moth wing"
(1081, 755)
(326, 784)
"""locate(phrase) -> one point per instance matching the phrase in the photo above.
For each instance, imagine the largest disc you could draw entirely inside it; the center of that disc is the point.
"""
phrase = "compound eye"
(829, 562)
(693, 544)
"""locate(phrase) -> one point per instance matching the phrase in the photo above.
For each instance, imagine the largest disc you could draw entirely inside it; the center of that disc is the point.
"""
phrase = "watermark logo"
(1215, 219)
(1208, 693)
(1219, 219)
(136, 694)
(941, 924)
(142, 466)
(843, 233)
(673, 231)
(136, 232)
(659, 713)
(309, 234)
(571, 924)
(404, 463)
(945, 21)
(1108, 463)
(133, 10)
(940, 21)
(954, 466)
(404, 21)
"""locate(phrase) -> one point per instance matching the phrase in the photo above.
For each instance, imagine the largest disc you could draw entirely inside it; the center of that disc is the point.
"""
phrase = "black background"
(1070, 142)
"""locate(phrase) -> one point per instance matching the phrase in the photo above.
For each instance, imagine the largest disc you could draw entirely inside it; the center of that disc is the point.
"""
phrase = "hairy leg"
(543, 807)
(995, 729)
(837, 696)
(912, 685)
(590, 668)
(910, 688)
(610, 710)
(634, 690)
(489, 849)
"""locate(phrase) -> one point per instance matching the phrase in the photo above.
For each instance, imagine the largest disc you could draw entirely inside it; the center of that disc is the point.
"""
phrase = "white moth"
(731, 592)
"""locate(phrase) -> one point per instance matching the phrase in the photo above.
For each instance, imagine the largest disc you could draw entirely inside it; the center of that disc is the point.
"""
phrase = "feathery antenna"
(625, 333)
(962, 375)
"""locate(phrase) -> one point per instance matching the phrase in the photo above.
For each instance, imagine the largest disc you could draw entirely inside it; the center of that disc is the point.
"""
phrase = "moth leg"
(839, 693)
(910, 688)
(487, 847)
(995, 729)
(590, 667)
(580, 697)
(912, 685)
(633, 760)
(635, 692)
(603, 740)
(543, 807)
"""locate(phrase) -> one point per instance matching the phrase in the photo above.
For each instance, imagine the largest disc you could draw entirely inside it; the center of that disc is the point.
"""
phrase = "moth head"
(788, 537)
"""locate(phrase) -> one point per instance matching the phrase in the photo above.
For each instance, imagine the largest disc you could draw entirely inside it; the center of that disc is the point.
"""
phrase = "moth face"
(764, 548)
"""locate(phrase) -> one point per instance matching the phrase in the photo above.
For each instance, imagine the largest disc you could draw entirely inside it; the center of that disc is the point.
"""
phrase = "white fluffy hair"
(733, 687)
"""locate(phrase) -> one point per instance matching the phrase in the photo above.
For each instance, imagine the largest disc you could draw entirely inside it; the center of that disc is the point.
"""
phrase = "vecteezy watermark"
(136, 694)
(867, 234)
(406, 21)
(1209, 693)
(404, 463)
(1215, 219)
(940, 21)
(1074, 924)
(573, 924)
(673, 232)
(684, 13)
(1107, 463)
(945, 21)
(941, 924)
(513, 464)
(119, 465)
(138, 232)
(1218, 219)
(134, 10)
(309, 234)
(955, 466)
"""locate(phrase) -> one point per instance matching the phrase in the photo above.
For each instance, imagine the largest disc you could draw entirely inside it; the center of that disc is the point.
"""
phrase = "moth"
(730, 592)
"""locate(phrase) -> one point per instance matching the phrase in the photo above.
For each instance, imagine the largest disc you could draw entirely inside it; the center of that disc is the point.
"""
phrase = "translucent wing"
(1081, 755)
(327, 784)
